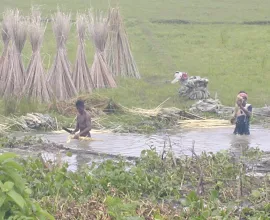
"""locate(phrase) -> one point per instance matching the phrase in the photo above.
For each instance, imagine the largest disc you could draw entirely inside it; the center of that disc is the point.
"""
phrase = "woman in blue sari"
(242, 115)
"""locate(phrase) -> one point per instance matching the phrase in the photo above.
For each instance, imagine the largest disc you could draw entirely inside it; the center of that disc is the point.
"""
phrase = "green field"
(233, 56)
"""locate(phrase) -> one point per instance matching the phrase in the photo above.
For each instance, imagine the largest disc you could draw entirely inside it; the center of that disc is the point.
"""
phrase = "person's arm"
(247, 111)
(77, 128)
(88, 125)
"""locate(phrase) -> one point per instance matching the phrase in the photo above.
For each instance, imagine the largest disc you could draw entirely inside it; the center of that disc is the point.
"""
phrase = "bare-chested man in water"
(83, 121)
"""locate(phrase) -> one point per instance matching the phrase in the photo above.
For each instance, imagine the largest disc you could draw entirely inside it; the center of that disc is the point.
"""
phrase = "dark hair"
(242, 92)
(80, 103)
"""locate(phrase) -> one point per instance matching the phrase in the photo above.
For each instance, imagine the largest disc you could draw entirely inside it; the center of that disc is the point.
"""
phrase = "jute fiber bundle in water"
(81, 73)
(15, 75)
(60, 74)
(118, 52)
(100, 73)
(4, 60)
(36, 86)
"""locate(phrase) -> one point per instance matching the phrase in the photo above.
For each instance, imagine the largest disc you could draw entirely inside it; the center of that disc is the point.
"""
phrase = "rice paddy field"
(227, 42)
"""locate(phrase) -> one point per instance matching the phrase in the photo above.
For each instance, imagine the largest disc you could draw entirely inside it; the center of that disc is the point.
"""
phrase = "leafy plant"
(14, 195)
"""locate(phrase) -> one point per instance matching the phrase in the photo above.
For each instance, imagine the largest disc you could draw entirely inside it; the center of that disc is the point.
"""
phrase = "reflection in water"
(239, 145)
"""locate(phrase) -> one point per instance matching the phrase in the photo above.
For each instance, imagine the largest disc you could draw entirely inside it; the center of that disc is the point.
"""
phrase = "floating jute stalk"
(100, 73)
(118, 52)
(81, 73)
(60, 74)
(36, 87)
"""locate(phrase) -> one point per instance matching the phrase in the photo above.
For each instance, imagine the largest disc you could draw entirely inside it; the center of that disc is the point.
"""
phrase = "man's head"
(80, 106)
(244, 96)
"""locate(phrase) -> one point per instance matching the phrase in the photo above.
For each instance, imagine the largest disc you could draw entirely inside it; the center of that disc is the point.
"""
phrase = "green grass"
(234, 57)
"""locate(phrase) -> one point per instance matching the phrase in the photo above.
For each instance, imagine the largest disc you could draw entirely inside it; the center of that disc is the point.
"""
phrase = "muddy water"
(209, 140)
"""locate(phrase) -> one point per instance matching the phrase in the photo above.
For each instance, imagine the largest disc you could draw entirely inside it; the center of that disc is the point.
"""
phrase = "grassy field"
(232, 55)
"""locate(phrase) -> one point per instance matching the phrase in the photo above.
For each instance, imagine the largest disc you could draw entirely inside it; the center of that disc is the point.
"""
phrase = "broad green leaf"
(137, 218)
(28, 191)
(2, 214)
(14, 165)
(206, 214)
(214, 195)
(17, 198)
(1, 186)
(256, 193)
(2, 199)
(47, 215)
(17, 179)
(8, 186)
(6, 156)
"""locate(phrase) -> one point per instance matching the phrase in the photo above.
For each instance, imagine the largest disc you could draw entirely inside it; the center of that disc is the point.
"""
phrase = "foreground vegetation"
(209, 186)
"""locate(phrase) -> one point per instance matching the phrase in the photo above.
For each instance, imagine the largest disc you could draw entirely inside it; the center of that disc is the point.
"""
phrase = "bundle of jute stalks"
(100, 72)
(60, 73)
(36, 86)
(81, 72)
(195, 88)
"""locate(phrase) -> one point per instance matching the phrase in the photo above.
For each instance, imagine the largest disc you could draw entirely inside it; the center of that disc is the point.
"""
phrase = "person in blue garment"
(242, 114)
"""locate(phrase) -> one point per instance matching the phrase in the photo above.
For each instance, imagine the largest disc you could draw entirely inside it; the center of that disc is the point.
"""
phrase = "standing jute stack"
(60, 74)
(4, 60)
(118, 53)
(81, 73)
(100, 72)
(36, 87)
(15, 78)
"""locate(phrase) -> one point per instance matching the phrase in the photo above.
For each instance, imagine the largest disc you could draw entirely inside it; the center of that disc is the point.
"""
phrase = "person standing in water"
(242, 114)
(83, 121)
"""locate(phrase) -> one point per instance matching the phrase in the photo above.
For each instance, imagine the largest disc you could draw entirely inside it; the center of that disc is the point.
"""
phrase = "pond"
(131, 145)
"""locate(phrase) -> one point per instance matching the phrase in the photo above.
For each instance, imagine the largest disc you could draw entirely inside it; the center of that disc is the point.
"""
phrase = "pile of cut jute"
(13, 74)
(118, 53)
(81, 73)
(100, 72)
(36, 87)
(60, 73)
(4, 60)
(195, 88)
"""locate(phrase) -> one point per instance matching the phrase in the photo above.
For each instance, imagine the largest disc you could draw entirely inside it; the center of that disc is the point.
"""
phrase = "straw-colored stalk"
(4, 60)
(60, 74)
(36, 86)
(100, 73)
(15, 78)
(118, 52)
(81, 73)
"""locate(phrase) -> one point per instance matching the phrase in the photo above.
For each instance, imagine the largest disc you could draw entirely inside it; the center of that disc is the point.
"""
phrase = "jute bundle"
(100, 73)
(118, 52)
(14, 81)
(81, 73)
(60, 73)
(195, 88)
(4, 60)
(36, 86)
